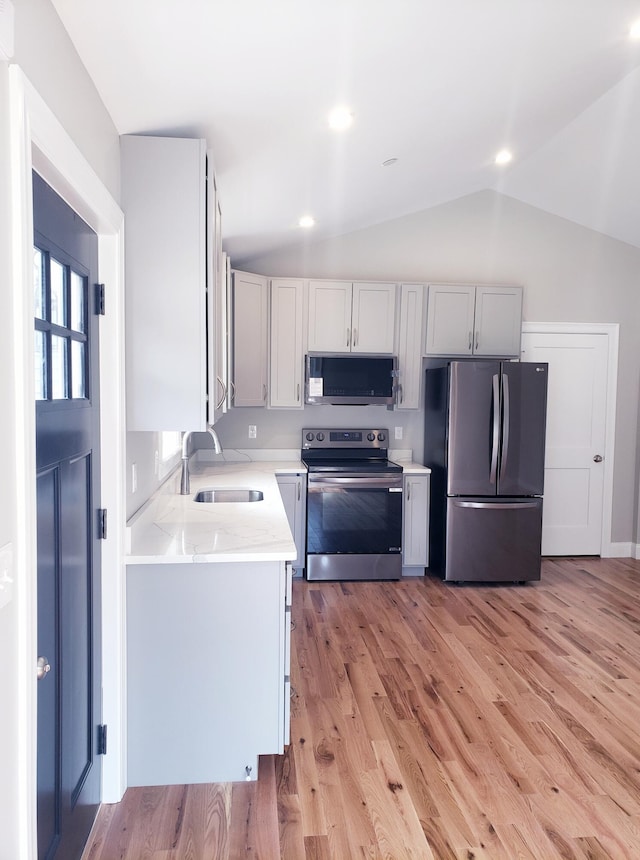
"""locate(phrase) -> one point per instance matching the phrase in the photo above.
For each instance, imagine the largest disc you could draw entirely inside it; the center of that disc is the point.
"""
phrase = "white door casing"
(39, 141)
(580, 429)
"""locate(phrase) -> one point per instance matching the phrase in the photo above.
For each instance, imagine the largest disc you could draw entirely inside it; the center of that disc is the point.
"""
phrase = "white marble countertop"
(174, 529)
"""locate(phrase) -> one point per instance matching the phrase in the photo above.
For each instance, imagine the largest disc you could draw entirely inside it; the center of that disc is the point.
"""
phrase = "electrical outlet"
(253, 431)
(398, 434)
(134, 477)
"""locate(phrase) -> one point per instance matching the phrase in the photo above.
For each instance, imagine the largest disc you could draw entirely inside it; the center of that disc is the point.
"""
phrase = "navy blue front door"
(68, 470)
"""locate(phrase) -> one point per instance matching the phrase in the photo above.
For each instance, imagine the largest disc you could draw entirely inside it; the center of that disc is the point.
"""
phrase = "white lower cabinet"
(415, 524)
(293, 489)
(207, 670)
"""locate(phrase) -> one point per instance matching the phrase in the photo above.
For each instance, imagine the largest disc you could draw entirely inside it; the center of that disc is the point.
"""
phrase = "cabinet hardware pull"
(477, 340)
(264, 391)
(298, 393)
(224, 393)
(355, 337)
(298, 490)
(348, 336)
(408, 491)
(470, 341)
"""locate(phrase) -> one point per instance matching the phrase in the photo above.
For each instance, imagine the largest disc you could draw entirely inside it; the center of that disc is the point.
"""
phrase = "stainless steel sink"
(225, 494)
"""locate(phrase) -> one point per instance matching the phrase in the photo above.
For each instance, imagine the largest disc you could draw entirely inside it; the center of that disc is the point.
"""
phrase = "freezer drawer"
(493, 540)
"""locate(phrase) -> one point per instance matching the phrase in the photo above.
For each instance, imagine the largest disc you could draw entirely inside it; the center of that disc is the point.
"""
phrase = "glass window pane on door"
(39, 284)
(58, 293)
(59, 368)
(78, 302)
(41, 365)
(77, 369)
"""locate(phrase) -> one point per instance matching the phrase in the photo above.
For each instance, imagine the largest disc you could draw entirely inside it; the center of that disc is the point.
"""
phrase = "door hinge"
(100, 300)
(102, 740)
(102, 523)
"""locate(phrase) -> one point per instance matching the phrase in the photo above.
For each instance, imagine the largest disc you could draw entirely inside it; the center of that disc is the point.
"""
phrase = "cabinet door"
(415, 546)
(373, 317)
(498, 321)
(410, 346)
(217, 328)
(450, 320)
(293, 490)
(286, 342)
(164, 200)
(329, 316)
(249, 381)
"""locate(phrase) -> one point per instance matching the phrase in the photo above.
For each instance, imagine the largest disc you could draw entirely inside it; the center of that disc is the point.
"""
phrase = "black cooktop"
(346, 450)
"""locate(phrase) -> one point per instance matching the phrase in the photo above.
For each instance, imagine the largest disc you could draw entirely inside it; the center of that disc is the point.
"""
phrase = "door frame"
(608, 549)
(39, 141)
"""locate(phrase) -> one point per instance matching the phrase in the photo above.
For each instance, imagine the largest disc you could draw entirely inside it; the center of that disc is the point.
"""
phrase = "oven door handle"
(318, 484)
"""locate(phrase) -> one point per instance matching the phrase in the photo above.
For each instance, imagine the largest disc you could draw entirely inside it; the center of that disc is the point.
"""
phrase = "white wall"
(45, 54)
(569, 273)
(9, 720)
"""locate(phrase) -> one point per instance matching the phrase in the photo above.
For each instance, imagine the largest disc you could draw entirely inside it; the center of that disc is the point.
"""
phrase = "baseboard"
(620, 550)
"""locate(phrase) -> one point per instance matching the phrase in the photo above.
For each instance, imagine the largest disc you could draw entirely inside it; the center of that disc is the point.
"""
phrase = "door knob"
(43, 668)
(597, 458)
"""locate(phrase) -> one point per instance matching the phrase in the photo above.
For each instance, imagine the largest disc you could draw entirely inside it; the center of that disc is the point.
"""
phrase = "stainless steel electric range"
(354, 505)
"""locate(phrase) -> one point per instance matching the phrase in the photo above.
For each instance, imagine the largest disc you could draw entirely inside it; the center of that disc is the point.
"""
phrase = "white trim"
(39, 140)
(608, 548)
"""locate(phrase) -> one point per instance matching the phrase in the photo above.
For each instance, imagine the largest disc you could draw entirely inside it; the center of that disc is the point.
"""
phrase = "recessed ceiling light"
(503, 157)
(307, 221)
(340, 118)
(634, 32)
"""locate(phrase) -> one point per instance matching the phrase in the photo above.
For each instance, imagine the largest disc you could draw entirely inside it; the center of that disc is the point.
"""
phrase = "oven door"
(354, 526)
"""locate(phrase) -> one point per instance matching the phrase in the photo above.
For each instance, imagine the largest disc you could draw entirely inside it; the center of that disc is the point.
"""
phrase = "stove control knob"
(309, 437)
(371, 437)
(381, 437)
(320, 437)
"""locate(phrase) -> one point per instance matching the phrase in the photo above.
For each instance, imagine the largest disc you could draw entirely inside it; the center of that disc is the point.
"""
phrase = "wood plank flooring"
(433, 721)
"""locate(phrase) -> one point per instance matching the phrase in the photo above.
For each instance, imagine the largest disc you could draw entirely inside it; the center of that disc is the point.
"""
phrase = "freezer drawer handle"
(497, 506)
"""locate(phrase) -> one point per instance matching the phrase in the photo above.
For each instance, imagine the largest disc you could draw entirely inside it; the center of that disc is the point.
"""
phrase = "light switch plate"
(6, 574)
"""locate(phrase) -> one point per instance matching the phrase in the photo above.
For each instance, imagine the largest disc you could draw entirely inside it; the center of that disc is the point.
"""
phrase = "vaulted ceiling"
(439, 85)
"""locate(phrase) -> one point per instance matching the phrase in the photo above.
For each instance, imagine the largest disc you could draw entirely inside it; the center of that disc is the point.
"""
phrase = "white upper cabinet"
(470, 320)
(164, 201)
(217, 314)
(329, 316)
(410, 346)
(351, 317)
(286, 343)
(250, 326)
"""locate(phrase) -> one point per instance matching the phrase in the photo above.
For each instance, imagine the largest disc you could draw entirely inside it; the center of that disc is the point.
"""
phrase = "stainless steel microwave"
(350, 380)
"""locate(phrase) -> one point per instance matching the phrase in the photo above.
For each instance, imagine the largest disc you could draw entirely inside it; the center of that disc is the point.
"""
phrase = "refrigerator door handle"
(497, 506)
(495, 437)
(505, 425)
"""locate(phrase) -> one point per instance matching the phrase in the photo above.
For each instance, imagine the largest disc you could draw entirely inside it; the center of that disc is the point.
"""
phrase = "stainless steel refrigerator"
(484, 440)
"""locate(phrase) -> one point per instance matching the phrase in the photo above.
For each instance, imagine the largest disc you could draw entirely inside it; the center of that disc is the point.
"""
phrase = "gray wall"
(569, 273)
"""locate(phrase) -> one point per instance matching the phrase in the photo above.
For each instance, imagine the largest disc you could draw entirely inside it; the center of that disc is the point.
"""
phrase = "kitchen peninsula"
(208, 629)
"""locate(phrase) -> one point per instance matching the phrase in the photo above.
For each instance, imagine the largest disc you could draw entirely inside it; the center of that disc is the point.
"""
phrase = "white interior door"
(575, 442)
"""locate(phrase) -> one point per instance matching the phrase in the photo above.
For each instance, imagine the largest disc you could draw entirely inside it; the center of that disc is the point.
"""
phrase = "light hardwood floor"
(433, 721)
